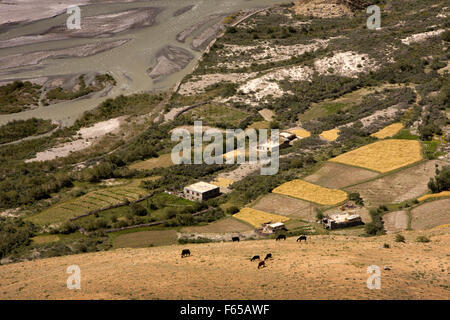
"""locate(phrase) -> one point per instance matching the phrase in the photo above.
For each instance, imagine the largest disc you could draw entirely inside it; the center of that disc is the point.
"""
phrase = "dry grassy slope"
(326, 267)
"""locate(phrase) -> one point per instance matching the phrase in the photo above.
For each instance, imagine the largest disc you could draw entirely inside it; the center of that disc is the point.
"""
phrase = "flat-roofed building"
(201, 191)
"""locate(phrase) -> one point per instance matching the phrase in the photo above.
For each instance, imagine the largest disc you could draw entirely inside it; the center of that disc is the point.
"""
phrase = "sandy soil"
(325, 267)
(395, 221)
(267, 114)
(84, 138)
(321, 8)
(420, 37)
(169, 60)
(346, 64)
(336, 176)
(431, 214)
(198, 84)
(36, 58)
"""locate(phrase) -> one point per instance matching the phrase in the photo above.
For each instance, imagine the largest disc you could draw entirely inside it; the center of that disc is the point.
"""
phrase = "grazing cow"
(185, 253)
(255, 258)
(281, 236)
(235, 239)
(301, 238)
(268, 256)
(261, 264)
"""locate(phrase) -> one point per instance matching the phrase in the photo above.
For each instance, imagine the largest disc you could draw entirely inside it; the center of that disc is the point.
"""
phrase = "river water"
(128, 63)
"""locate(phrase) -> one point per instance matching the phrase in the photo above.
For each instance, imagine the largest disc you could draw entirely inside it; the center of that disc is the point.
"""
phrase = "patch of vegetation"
(441, 182)
(15, 234)
(18, 96)
(399, 238)
(423, 239)
(19, 129)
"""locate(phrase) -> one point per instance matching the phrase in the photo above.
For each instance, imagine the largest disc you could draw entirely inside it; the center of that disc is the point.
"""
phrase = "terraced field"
(403, 185)
(330, 135)
(336, 175)
(93, 200)
(383, 156)
(311, 192)
(389, 131)
(286, 206)
(256, 217)
(430, 215)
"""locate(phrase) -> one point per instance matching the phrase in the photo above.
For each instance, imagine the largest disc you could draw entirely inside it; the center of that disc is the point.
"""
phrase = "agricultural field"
(335, 175)
(434, 195)
(286, 206)
(93, 200)
(389, 131)
(397, 187)
(430, 215)
(142, 239)
(226, 225)
(311, 192)
(330, 135)
(216, 115)
(222, 182)
(395, 221)
(383, 156)
(325, 267)
(256, 217)
(162, 161)
(300, 133)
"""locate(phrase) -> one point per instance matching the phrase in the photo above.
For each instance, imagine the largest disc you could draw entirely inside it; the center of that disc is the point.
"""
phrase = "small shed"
(272, 227)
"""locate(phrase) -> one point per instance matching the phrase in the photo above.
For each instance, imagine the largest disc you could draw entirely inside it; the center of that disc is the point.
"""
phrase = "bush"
(399, 238)
(386, 245)
(423, 239)
(138, 210)
(232, 210)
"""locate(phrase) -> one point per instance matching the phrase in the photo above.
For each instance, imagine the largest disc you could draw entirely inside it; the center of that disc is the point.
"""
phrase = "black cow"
(255, 258)
(281, 236)
(185, 253)
(234, 239)
(268, 256)
(261, 264)
(301, 238)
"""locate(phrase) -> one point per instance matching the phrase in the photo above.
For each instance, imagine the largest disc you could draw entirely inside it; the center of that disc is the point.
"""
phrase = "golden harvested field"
(330, 135)
(388, 131)
(311, 192)
(222, 182)
(301, 133)
(325, 267)
(434, 195)
(383, 156)
(256, 217)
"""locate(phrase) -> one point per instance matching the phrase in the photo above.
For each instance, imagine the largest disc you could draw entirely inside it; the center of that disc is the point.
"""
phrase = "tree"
(138, 210)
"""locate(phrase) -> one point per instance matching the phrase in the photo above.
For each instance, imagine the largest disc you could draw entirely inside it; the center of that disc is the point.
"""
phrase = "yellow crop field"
(256, 217)
(330, 135)
(383, 156)
(222, 182)
(301, 133)
(388, 131)
(311, 192)
(434, 195)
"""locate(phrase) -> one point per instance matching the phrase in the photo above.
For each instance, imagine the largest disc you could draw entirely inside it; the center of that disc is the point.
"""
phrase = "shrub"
(423, 239)
(386, 245)
(138, 209)
(232, 210)
(399, 238)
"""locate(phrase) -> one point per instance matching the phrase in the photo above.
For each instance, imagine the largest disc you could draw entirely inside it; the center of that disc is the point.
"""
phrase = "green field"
(93, 200)
(218, 115)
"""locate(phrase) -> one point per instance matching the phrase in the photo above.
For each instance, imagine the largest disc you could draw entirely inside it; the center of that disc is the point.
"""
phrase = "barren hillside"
(325, 267)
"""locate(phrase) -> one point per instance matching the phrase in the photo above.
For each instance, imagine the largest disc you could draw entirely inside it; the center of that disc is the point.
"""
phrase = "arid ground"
(325, 267)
